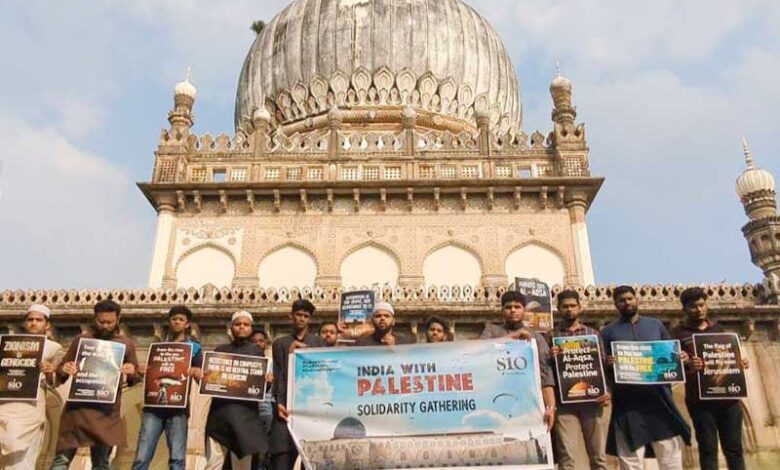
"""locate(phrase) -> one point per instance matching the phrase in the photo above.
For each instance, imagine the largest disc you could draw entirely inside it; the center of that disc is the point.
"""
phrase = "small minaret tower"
(181, 117)
(756, 191)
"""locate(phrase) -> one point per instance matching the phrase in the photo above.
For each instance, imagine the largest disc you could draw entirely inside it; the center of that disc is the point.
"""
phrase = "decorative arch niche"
(536, 261)
(289, 266)
(452, 265)
(205, 265)
(369, 265)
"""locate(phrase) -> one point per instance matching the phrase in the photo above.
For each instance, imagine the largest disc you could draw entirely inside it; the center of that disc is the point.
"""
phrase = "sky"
(666, 89)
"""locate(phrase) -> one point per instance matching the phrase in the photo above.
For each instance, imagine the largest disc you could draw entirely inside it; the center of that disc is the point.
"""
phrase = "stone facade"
(369, 155)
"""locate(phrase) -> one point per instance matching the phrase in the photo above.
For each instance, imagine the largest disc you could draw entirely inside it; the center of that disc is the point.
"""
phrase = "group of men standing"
(644, 419)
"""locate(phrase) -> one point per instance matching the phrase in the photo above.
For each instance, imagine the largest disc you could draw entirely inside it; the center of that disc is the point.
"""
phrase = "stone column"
(577, 205)
(162, 242)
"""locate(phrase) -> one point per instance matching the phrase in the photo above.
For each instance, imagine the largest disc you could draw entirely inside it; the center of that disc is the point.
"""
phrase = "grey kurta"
(89, 424)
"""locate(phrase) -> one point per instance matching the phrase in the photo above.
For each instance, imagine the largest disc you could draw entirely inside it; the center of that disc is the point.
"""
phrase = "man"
(383, 321)
(171, 420)
(22, 422)
(329, 333)
(513, 308)
(437, 330)
(642, 415)
(95, 425)
(589, 420)
(233, 426)
(283, 451)
(260, 338)
(711, 418)
(265, 408)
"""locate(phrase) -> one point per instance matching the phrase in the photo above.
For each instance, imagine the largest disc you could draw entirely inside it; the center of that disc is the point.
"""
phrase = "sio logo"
(176, 397)
(253, 391)
(14, 385)
(506, 363)
(103, 393)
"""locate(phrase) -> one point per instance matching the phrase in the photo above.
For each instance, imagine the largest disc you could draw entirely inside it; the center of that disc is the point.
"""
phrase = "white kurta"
(22, 422)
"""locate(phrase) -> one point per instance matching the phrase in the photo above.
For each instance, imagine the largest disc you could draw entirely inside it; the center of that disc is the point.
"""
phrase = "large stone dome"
(440, 57)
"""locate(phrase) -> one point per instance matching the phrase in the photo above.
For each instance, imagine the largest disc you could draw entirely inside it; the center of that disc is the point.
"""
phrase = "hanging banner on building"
(538, 305)
(20, 366)
(234, 376)
(579, 369)
(445, 405)
(99, 365)
(647, 362)
(723, 375)
(167, 382)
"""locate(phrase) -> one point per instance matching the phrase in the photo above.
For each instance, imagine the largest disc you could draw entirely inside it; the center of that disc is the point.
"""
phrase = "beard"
(103, 333)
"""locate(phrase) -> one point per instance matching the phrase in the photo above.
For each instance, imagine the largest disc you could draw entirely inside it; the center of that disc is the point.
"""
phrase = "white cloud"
(316, 390)
(65, 214)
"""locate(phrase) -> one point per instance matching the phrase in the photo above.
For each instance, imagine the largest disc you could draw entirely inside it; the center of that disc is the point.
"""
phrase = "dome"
(438, 57)
(349, 428)
(186, 87)
(753, 179)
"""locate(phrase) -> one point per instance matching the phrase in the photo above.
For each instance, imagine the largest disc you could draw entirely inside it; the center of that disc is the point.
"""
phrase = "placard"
(356, 306)
(579, 368)
(538, 307)
(21, 357)
(723, 375)
(167, 382)
(99, 365)
(445, 405)
(647, 362)
(234, 376)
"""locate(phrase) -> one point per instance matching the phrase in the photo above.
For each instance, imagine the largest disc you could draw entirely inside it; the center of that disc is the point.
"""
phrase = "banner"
(234, 376)
(444, 405)
(99, 365)
(647, 362)
(723, 375)
(167, 382)
(579, 368)
(20, 366)
(538, 305)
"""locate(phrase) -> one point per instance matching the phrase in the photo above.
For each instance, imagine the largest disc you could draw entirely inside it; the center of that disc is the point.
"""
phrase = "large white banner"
(455, 405)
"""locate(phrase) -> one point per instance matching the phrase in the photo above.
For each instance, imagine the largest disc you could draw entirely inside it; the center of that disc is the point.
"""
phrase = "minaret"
(756, 191)
(572, 154)
(181, 117)
(561, 92)
(181, 120)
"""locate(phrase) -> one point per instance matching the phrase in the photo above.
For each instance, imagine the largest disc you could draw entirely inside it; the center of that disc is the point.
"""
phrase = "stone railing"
(720, 294)
(240, 158)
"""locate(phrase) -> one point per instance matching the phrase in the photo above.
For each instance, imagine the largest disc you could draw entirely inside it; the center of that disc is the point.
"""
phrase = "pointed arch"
(452, 264)
(208, 263)
(288, 265)
(536, 259)
(370, 263)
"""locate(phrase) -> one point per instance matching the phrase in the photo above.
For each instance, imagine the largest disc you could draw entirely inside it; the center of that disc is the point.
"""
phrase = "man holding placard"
(384, 334)
(514, 327)
(170, 365)
(95, 422)
(235, 378)
(577, 348)
(22, 421)
(643, 415)
(716, 382)
(283, 450)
